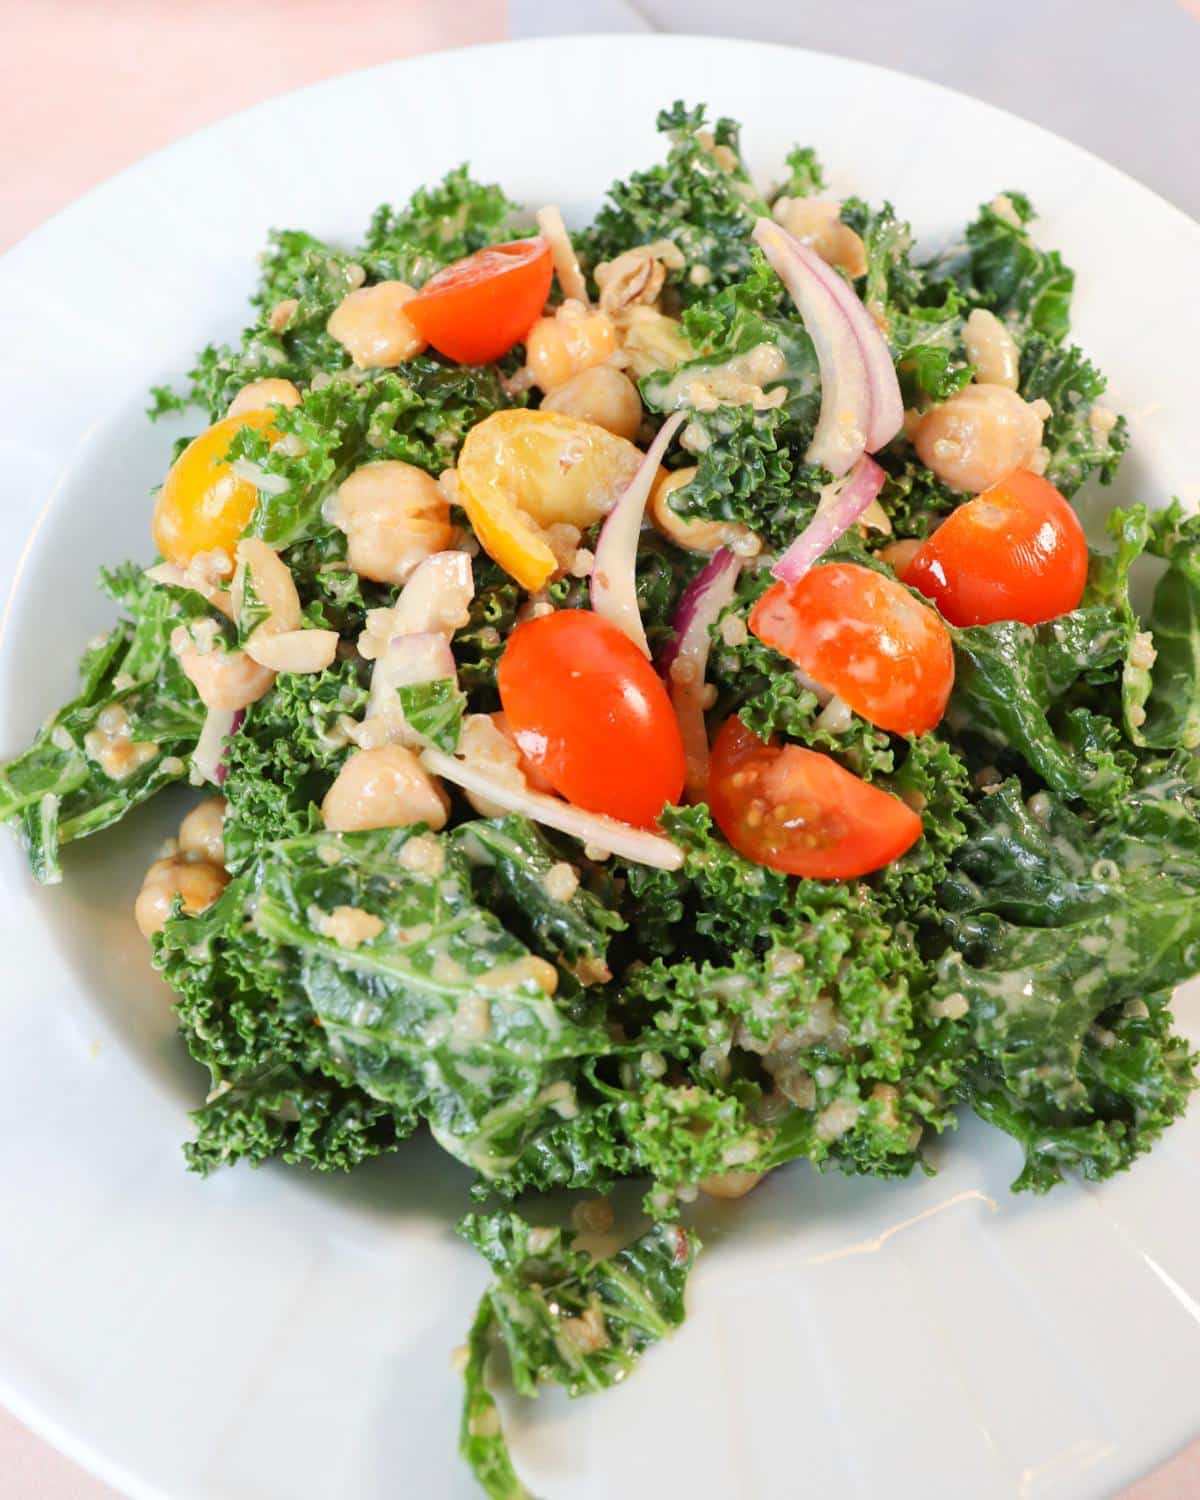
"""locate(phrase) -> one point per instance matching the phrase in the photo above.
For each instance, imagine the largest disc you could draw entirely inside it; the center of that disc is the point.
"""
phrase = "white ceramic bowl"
(270, 1336)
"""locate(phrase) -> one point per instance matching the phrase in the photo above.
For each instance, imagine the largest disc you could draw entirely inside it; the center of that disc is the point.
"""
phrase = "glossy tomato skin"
(476, 309)
(1016, 552)
(592, 715)
(863, 636)
(801, 812)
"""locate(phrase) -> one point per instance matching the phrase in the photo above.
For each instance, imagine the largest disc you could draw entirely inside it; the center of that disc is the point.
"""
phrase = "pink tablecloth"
(142, 73)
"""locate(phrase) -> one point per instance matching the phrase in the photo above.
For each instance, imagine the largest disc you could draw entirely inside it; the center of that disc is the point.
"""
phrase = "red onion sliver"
(208, 758)
(614, 572)
(590, 828)
(802, 271)
(861, 486)
(684, 661)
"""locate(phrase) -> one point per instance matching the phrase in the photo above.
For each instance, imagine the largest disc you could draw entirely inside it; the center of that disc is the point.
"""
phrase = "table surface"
(146, 72)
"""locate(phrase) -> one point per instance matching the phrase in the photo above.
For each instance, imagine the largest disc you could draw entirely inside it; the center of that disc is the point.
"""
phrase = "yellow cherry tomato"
(203, 505)
(522, 471)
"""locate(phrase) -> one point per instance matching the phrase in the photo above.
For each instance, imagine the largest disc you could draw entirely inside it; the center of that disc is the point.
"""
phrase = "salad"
(660, 718)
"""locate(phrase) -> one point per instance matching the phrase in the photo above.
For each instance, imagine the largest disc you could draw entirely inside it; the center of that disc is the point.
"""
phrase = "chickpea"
(394, 516)
(601, 395)
(574, 339)
(281, 314)
(225, 679)
(384, 788)
(730, 1184)
(898, 555)
(992, 349)
(370, 324)
(816, 222)
(692, 534)
(200, 833)
(197, 881)
(978, 436)
(260, 394)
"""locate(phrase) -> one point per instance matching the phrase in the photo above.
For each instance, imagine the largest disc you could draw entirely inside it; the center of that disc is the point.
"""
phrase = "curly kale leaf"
(561, 1316)
(284, 757)
(479, 645)
(1079, 444)
(923, 324)
(518, 873)
(431, 1007)
(439, 224)
(701, 197)
(915, 501)
(1000, 268)
(805, 176)
(751, 464)
(1069, 930)
(1024, 692)
(1163, 668)
(135, 700)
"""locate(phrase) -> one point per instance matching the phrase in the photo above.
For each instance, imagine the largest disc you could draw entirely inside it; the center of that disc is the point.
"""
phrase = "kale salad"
(662, 719)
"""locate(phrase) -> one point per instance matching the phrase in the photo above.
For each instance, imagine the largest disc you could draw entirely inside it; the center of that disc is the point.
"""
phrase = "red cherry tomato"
(477, 309)
(592, 715)
(1016, 552)
(865, 637)
(800, 812)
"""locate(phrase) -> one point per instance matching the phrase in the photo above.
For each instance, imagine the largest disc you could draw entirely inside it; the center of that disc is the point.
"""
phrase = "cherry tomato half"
(476, 309)
(865, 637)
(203, 505)
(800, 812)
(592, 715)
(1016, 552)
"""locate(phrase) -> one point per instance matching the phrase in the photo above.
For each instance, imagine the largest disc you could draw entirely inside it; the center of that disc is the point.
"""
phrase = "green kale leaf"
(563, 1317)
(128, 733)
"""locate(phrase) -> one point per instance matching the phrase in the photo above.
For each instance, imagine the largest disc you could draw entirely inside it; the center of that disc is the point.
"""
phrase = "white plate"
(270, 1336)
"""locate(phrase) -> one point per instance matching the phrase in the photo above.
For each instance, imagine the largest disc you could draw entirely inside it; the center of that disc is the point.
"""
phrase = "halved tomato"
(1016, 552)
(864, 637)
(592, 715)
(203, 505)
(522, 471)
(476, 309)
(801, 812)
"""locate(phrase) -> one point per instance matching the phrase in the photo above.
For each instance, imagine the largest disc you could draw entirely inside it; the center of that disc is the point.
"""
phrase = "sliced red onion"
(614, 572)
(208, 758)
(590, 828)
(407, 660)
(860, 487)
(685, 659)
(861, 406)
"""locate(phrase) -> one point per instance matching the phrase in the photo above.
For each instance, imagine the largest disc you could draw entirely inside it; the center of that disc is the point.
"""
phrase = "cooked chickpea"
(693, 534)
(601, 395)
(371, 325)
(992, 349)
(384, 788)
(394, 516)
(225, 679)
(261, 394)
(574, 339)
(198, 882)
(200, 833)
(898, 555)
(730, 1184)
(281, 314)
(817, 222)
(978, 436)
